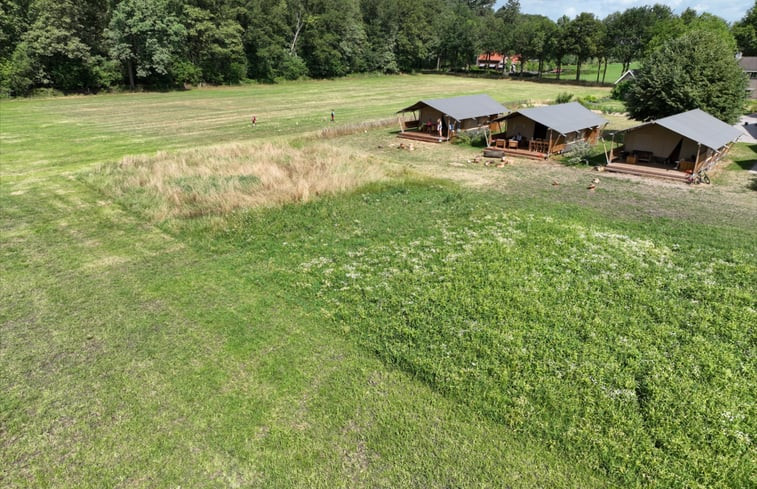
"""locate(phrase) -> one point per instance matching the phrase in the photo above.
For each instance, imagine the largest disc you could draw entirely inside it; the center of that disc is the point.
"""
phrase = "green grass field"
(589, 72)
(188, 301)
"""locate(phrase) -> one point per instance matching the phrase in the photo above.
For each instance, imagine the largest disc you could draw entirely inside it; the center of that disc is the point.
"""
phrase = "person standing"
(332, 116)
(439, 126)
(254, 120)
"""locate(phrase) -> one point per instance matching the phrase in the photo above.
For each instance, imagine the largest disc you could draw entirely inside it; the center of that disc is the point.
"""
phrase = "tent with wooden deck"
(539, 132)
(420, 120)
(673, 147)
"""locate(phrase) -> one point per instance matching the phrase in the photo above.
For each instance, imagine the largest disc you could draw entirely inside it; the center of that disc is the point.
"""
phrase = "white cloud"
(729, 10)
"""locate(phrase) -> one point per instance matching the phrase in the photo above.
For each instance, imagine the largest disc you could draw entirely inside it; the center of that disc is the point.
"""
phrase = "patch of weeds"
(213, 183)
(476, 138)
(609, 344)
(578, 154)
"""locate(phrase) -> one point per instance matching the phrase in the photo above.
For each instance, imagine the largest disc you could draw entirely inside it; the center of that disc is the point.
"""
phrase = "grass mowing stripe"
(73, 128)
(131, 359)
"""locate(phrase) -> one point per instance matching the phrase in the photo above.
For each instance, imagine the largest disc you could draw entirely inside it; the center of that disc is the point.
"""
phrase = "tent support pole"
(696, 161)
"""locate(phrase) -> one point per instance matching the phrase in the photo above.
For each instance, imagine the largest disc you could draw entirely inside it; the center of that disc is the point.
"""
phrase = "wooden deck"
(648, 171)
(423, 137)
(492, 152)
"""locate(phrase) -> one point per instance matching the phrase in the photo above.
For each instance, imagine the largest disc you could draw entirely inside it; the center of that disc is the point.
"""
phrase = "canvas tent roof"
(698, 126)
(461, 108)
(563, 118)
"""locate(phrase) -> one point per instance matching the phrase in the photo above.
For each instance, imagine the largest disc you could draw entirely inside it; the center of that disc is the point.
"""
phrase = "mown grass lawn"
(53, 135)
(413, 332)
(589, 72)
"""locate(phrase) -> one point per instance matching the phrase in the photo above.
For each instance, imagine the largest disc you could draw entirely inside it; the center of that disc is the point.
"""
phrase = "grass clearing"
(589, 72)
(405, 332)
(52, 135)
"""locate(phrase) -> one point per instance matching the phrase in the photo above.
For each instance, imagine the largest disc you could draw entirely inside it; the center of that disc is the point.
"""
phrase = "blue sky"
(730, 10)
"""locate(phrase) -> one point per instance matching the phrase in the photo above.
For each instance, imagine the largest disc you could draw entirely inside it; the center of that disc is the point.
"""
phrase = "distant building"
(496, 61)
(627, 76)
(749, 65)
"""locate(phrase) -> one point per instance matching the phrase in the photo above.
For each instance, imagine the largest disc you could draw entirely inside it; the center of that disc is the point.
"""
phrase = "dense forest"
(89, 45)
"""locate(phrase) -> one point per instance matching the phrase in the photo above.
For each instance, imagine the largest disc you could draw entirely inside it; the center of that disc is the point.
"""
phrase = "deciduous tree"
(696, 70)
(145, 36)
(584, 35)
(531, 38)
(745, 32)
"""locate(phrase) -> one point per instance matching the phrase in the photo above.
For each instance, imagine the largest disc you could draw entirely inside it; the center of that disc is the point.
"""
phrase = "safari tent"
(468, 112)
(673, 147)
(539, 132)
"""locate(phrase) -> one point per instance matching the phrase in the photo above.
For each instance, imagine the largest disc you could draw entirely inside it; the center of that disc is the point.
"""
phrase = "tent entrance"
(675, 155)
(540, 131)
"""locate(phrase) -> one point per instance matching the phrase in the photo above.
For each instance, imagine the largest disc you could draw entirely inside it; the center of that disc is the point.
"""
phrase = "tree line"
(89, 45)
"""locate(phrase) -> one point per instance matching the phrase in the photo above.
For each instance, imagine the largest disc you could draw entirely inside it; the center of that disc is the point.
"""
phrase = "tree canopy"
(86, 45)
(695, 70)
(745, 32)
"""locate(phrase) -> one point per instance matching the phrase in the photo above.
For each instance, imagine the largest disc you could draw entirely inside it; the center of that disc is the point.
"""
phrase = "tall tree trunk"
(599, 68)
(130, 69)
(541, 67)
(559, 67)
(300, 20)
(604, 73)
(578, 70)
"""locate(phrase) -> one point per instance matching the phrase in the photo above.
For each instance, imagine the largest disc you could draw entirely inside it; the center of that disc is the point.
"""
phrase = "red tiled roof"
(492, 57)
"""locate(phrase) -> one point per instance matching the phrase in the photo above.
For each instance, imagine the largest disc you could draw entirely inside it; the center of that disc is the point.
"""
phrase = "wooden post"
(549, 148)
(402, 123)
(696, 160)
(612, 149)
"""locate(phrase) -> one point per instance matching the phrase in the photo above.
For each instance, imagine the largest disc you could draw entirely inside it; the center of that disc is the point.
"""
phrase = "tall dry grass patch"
(217, 180)
(354, 128)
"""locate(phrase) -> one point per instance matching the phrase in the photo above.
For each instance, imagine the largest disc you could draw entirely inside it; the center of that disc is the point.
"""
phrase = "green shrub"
(578, 153)
(184, 72)
(461, 138)
(475, 138)
(16, 74)
(620, 90)
(564, 98)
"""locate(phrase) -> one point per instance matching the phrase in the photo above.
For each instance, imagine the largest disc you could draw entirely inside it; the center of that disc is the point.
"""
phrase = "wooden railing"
(538, 146)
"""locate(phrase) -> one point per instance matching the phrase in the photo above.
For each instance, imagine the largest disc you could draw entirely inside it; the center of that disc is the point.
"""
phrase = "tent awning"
(461, 108)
